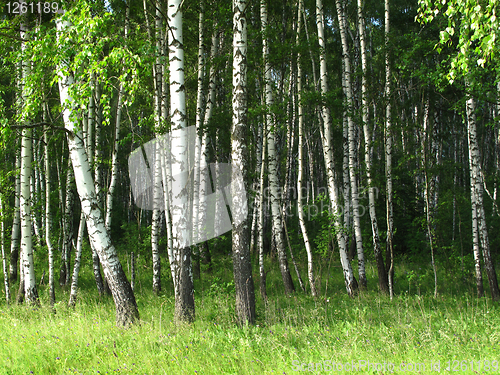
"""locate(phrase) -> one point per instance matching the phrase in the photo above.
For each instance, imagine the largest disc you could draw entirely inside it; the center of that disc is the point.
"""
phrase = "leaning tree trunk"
(126, 306)
(184, 292)
(382, 273)
(350, 281)
(307, 244)
(242, 266)
(277, 224)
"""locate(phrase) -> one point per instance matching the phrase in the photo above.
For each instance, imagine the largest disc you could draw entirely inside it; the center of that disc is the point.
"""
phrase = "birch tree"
(352, 144)
(123, 296)
(277, 225)
(300, 175)
(28, 266)
(16, 224)
(382, 274)
(2, 247)
(184, 291)
(479, 228)
(350, 281)
(242, 266)
(388, 154)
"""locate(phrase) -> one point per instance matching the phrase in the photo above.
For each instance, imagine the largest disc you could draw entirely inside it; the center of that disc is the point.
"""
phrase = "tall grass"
(291, 332)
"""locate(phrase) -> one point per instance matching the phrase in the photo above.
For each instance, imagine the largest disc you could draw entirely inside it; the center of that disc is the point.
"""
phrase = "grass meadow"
(414, 333)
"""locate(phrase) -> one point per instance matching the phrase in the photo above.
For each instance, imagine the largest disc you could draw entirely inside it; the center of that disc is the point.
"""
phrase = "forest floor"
(413, 333)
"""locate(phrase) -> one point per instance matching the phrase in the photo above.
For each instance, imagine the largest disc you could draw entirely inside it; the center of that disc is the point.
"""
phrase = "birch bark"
(382, 274)
(300, 175)
(123, 296)
(277, 225)
(242, 266)
(350, 281)
(184, 294)
(25, 201)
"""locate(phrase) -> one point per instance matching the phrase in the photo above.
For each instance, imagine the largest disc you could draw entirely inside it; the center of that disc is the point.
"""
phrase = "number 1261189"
(22, 7)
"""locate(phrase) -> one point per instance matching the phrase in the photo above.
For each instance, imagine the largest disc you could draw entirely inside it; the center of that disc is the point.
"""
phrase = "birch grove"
(266, 133)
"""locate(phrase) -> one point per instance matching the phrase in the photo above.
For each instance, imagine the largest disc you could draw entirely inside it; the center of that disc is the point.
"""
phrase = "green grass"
(411, 328)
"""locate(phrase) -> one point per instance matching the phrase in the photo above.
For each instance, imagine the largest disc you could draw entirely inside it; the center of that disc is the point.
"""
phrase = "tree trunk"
(25, 202)
(78, 257)
(479, 228)
(277, 224)
(126, 307)
(428, 190)
(350, 281)
(2, 245)
(48, 222)
(300, 175)
(242, 266)
(382, 273)
(16, 226)
(184, 291)
(352, 149)
(388, 156)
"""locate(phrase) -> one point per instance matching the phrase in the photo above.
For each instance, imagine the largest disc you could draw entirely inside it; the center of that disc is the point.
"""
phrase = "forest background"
(368, 139)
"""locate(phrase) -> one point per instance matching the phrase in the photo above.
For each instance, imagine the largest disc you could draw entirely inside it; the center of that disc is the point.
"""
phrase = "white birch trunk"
(382, 274)
(25, 202)
(48, 222)
(184, 297)
(388, 155)
(242, 266)
(277, 225)
(479, 229)
(352, 145)
(428, 190)
(78, 257)
(126, 307)
(2, 245)
(16, 225)
(350, 281)
(300, 175)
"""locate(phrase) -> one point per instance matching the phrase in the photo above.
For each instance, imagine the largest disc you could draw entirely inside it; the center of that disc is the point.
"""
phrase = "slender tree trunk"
(2, 245)
(352, 145)
(350, 281)
(48, 222)
(16, 226)
(25, 202)
(67, 227)
(157, 172)
(78, 257)
(242, 266)
(126, 307)
(428, 190)
(277, 224)
(300, 175)
(200, 98)
(260, 222)
(184, 293)
(479, 228)
(388, 155)
(382, 273)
